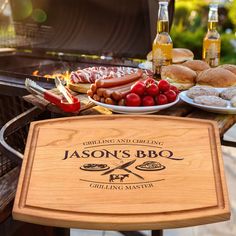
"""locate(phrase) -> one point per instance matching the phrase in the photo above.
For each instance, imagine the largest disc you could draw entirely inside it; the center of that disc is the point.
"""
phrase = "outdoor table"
(225, 121)
(180, 110)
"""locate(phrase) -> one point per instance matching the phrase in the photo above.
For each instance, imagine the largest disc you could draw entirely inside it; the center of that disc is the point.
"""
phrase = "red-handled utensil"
(59, 101)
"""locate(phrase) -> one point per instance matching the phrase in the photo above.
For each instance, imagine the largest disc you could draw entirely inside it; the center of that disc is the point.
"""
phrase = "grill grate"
(11, 106)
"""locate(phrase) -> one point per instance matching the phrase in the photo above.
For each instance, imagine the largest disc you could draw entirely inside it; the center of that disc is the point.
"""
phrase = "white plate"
(222, 110)
(134, 110)
(146, 65)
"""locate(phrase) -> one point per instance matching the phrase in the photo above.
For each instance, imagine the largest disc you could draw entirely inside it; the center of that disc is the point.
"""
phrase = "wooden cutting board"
(122, 172)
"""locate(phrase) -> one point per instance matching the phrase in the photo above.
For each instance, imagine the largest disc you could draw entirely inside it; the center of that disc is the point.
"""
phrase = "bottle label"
(211, 53)
(162, 56)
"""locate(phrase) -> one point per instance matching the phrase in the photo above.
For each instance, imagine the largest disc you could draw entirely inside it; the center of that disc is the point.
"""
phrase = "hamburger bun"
(216, 77)
(179, 55)
(231, 68)
(196, 65)
(180, 76)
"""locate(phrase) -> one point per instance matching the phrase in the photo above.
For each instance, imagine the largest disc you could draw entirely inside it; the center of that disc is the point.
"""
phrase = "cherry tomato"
(152, 89)
(171, 95)
(161, 99)
(132, 100)
(138, 88)
(175, 89)
(150, 80)
(163, 85)
(148, 101)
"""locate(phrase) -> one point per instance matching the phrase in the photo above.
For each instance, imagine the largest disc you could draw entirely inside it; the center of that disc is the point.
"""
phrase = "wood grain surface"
(8, 184)
(122, 173)
(181, 109)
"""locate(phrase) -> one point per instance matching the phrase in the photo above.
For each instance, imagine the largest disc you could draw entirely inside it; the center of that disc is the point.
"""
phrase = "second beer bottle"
(162, 44)
(212, 41)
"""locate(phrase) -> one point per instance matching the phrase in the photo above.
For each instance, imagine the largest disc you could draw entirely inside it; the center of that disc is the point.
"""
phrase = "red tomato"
(171, 95)
(132, 100)
(172, 87)
(163, 85)
(150, 80)
(152, 89)
(161, 99)
(148, 101)
(138, 88)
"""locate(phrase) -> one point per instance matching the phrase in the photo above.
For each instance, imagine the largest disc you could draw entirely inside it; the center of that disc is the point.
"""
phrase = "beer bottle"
(212, 41)
(162, 44)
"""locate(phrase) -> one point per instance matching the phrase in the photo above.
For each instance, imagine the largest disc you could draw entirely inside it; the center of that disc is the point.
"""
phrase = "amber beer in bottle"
(212, 41)
(162, 44)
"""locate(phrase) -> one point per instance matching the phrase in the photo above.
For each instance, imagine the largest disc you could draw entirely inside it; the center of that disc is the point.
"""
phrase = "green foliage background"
(190, 26)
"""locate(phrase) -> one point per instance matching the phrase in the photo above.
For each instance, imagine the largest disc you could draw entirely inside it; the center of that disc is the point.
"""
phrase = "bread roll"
(179, 55)
(180, 76)
(196, 65)
(231, 68)
(216, 77)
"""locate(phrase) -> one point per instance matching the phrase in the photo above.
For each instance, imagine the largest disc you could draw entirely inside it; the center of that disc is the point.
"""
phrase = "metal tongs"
(66, 103)
(65, 92)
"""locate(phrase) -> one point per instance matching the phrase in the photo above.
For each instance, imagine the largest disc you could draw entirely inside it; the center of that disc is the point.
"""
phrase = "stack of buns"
(179, 55)
(185, 72)
(198, 72)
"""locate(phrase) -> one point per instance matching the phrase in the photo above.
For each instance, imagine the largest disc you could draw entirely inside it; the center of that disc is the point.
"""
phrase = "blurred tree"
(190, 25)
(232, 13)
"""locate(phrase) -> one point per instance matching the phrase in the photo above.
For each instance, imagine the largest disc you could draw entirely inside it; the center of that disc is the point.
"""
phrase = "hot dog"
(108, 83)
(109, 101)
(96, 97)
(120, 91)
(118, 95)
(100, 91)
(93, 87)
(107, 92)
(90, 93)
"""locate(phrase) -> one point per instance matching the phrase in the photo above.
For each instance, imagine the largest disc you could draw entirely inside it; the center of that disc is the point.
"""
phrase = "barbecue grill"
(56, 36)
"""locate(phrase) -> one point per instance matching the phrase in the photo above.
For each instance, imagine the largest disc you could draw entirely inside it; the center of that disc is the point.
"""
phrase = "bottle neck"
(163, 18)
(213, 17)
(162, 26)
(212, 25)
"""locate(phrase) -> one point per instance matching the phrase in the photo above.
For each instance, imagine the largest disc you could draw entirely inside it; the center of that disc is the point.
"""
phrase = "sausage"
(90, 93)
(107, 92)
(96, 97)
(109, 101)
(100, 91)
(93, 87)
(118, 95)
(102, 100)
(120, 91)
(107, 83)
